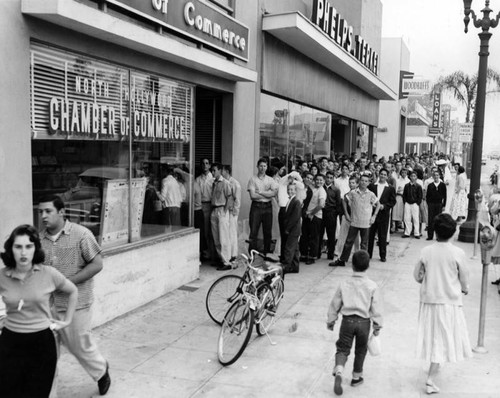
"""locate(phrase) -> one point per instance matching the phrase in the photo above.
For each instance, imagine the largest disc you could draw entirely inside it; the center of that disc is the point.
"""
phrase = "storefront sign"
(436, 110)
(465, 132)
(196, 19)
(416, 87)
(326, 17)
(75, 97)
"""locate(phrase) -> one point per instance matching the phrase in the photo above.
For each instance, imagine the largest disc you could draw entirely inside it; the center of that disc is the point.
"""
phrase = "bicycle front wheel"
(235, 333)
(223, 292)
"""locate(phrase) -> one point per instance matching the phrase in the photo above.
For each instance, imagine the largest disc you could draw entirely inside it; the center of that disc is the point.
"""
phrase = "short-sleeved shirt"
(318, 194)
(361, 204)
(221, 191)
(235, 199)
(73, 249)
(261, 185)
(28, 301)
(205, 181)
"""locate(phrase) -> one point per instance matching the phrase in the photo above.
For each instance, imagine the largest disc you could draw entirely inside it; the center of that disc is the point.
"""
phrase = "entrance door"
(208, 126)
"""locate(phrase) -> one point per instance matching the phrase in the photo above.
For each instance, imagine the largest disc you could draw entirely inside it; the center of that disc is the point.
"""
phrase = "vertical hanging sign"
(436, 114)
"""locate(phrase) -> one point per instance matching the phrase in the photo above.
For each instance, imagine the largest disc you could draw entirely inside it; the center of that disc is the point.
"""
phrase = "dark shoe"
(383, 260)
(310, 261)
(337, 387)
(104, 382)
(417, 237)
(337, 263)
(497, 282)
(429, 239)
(303, 259)
(226, 267)
(232, 258)
(405, 236)
(357, 382)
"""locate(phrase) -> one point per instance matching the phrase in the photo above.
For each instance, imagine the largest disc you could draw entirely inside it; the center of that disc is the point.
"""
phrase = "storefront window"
(290, 132)
(109, 141)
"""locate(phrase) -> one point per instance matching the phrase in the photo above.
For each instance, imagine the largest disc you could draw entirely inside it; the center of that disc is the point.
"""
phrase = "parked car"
(495, 155)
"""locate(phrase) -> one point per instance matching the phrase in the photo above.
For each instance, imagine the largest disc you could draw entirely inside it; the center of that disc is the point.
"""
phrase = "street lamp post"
(467, 228)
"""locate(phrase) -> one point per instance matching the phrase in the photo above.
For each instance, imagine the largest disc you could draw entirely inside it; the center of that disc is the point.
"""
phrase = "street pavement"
(167, 348)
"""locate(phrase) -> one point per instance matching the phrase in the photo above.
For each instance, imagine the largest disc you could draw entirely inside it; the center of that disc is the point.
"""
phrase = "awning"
(300, 33)
(419, 140)
(84, 19)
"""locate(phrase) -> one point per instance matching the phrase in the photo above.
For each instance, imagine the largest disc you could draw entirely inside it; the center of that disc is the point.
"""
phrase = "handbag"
(374, 347)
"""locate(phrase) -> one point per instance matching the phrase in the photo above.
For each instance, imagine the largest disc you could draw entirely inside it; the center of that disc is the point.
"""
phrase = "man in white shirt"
(261, 189)
(315, 214)
(386, 195)
(171, 198)
(342, 182)
(233, 208)
(205, 181)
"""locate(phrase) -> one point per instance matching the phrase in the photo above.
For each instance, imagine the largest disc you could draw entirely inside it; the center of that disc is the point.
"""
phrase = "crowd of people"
(304, 210)
(352, 201)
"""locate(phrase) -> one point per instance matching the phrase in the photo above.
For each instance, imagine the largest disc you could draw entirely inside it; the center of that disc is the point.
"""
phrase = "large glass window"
(290, 132)
(114, 143)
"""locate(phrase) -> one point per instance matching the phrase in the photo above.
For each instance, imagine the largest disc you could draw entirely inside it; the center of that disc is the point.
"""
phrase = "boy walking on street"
(357, 299)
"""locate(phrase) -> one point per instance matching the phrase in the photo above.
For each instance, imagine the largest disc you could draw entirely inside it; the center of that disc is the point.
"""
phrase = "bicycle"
(256, 304)
(225, 290)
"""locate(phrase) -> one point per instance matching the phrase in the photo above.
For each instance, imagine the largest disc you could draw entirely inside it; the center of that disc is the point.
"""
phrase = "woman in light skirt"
(459, 201)
(398, 210)
(442, 332)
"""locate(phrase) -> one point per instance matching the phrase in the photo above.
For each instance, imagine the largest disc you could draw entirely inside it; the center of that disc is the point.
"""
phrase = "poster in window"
(114, 216)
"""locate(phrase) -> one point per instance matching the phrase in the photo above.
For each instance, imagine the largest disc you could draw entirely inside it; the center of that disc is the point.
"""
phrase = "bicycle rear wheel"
(223, 292)
(235, 333)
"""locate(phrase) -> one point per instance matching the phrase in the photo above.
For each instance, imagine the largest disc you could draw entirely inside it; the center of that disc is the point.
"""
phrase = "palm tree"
(464, 88)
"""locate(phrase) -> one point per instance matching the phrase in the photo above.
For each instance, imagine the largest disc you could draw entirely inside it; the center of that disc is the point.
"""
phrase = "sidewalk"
(168, 347)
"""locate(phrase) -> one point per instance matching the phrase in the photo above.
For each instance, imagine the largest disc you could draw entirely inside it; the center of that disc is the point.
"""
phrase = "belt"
(261, 204)
(216, 207)
(206, 202)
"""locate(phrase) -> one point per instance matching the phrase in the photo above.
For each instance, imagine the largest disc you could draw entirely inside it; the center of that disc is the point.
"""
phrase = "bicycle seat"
(273, 267)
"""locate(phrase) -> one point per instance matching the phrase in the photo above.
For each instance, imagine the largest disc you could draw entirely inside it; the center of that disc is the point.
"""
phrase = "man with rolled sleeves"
(262, 189)
(219, 219)
(234, 209)
(205, 181)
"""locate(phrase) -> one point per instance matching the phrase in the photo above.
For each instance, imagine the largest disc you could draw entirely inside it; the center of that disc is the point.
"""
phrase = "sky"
(433, 30)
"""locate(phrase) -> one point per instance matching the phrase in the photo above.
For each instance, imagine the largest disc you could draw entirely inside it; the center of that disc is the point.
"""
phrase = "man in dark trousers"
(436, 201)
(306, 222)
(386, 195)
(412, 197)
(332, 209)
(292, 227)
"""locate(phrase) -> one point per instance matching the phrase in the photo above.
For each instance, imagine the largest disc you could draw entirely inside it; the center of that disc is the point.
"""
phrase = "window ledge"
(154, 240)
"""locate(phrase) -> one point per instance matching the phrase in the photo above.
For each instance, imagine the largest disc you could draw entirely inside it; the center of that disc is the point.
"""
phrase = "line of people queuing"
(349, 202)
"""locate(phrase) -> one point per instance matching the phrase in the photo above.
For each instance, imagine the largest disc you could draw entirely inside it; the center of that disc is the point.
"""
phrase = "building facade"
(391, 132)
(108, 102)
